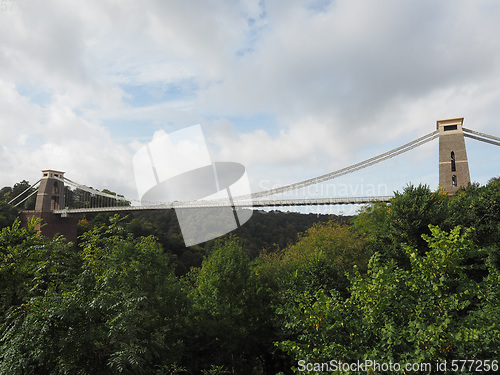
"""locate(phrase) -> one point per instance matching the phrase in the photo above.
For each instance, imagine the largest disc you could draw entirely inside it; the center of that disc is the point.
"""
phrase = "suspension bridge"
(60, 196)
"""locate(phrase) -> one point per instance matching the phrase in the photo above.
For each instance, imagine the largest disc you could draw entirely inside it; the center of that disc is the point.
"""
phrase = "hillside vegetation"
(412, 281)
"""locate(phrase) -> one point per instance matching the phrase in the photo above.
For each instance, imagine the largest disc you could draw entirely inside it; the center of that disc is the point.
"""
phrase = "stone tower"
(51, 197)
(51, 192)
(453, 165)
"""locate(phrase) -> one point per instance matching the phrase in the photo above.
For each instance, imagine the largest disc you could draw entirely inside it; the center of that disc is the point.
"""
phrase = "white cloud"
(340, 80)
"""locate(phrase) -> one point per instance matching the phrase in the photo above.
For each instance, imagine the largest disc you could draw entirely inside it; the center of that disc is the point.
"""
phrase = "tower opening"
(453, 166)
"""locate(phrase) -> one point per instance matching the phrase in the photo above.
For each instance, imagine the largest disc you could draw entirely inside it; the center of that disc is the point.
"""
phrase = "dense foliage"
(412, 281)
(264, 230)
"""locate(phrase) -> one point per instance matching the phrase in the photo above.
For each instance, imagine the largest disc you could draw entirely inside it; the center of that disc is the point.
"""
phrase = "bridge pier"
(51, 197)
(52, 224)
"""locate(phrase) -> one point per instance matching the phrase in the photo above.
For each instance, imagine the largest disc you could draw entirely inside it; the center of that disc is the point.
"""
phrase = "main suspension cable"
(355, 167)
(482, 137)
(13, 199)
(481, 134)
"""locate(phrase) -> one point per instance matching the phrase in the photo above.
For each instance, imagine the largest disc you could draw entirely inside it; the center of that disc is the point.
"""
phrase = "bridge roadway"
(226, 203)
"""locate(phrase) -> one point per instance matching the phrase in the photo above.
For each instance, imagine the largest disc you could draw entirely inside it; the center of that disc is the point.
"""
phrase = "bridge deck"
(255, 203)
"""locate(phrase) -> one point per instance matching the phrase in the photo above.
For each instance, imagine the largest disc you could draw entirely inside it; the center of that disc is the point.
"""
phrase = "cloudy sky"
(290, 89)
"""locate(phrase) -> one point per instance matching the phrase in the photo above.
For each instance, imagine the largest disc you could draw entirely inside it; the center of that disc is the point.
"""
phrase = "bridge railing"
(235, 203)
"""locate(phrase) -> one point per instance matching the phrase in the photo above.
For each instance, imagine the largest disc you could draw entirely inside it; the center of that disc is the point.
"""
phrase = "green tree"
(31, 265)
(228, 313)
(119, 310)
(478, 207)
(8, 214)
(320, 259)
(431, 311)
(403, 221)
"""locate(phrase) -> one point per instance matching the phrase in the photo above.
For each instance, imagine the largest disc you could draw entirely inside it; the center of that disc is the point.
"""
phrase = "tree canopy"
(415, 280)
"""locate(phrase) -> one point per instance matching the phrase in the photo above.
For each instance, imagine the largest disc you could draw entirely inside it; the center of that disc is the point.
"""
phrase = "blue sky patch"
(36, 94)
(159, 92)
